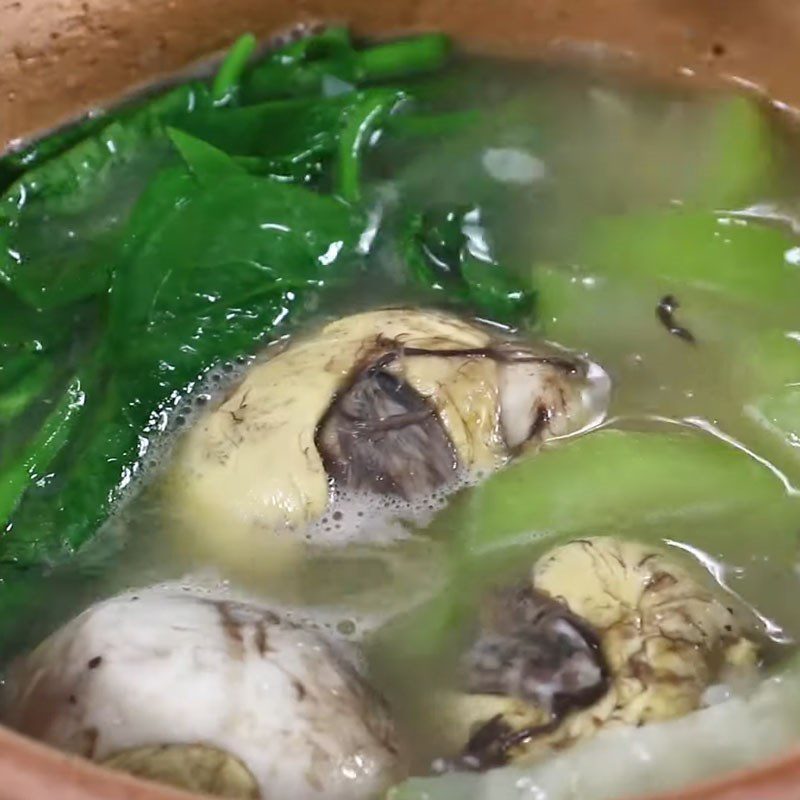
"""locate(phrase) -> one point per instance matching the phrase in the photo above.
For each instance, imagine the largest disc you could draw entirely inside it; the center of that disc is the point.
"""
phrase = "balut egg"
(395, 402)
(607, 632)
(207, 694)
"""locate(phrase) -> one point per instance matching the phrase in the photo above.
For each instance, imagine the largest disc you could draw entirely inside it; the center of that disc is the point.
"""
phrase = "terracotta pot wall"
(60, 57)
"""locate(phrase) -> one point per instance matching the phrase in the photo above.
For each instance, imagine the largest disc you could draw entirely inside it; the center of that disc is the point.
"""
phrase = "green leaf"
(106, 442)
(45, 445)
(300, 68)
(404, 57)
(22, 381)
(226, 82)
(209, 271)
(220, 248)
(206, 162)
(361, 120)
(304, 67)
(447, 250)
(60, 222)
(292, 140)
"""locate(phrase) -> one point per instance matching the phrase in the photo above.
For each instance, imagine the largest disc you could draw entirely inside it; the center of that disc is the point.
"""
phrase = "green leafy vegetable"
(15, 163)
(82, 198)
(361, 120)
(44, 447)
(308, 66)
(226, 82)
(186, 294)
(22, 381)
(193, 278)
(447, 250)
(205, 161)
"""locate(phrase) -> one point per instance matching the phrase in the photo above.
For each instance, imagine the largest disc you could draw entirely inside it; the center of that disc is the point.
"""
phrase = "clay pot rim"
(31, 769)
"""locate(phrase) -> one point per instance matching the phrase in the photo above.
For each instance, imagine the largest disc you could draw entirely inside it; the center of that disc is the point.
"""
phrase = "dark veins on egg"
(532, 648)
(381, 435)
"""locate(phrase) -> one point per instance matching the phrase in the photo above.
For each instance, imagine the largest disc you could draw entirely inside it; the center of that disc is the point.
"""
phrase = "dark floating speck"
(95, 662)
(665, 311)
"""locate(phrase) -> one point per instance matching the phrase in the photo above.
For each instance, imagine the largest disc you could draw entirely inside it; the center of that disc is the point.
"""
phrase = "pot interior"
(472, 373)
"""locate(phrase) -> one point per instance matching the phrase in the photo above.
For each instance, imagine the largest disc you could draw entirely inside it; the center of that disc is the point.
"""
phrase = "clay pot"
(59, 58)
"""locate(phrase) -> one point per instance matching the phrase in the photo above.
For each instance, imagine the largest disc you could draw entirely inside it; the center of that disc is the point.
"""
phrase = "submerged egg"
(607, 633)
(399, 403)
(207, 694)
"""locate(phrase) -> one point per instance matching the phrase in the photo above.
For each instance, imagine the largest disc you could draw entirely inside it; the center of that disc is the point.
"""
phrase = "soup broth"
(649, 229)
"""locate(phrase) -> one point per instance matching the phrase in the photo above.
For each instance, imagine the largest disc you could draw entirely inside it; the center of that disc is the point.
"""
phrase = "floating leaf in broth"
(225, 85)
(209, 271)
(224, 247)
(447, 250)
(306, 66)
(83, 197)
(206, 162)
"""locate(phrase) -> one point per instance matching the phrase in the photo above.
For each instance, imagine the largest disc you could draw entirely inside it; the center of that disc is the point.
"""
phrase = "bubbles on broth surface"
(208, 390)
(364, 517)
(337, 624)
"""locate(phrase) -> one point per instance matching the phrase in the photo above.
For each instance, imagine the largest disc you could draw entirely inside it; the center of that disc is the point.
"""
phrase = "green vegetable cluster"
(179, 233)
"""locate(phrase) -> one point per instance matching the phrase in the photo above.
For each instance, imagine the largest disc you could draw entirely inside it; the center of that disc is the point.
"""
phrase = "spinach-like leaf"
(226, 82)
(60, 222)
(40, 452)
(208, 269)
(447, 250)
(361, 119)
(206, 162)
(223, 246)
(190, 209)
(307, 67)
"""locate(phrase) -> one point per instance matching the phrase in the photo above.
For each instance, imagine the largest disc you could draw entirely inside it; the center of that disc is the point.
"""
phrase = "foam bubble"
(347, 625)
(204, 394)
(378, 519)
